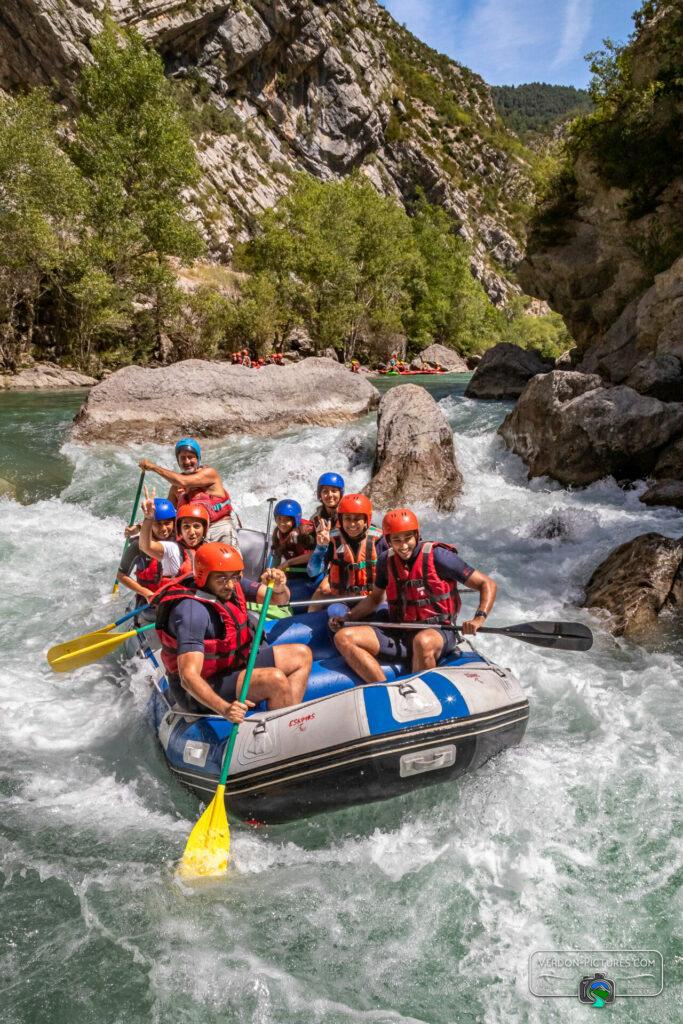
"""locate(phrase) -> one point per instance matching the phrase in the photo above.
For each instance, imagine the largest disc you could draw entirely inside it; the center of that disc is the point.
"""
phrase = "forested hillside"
(538, 107)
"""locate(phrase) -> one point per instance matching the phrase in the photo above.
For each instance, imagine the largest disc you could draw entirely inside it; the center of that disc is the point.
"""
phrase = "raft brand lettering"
(596, 976)
(301, 723)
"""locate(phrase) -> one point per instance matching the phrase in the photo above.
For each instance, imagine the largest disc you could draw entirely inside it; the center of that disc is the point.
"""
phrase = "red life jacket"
(419, 594)
(299, 541)
(229, 652)
(150, 577)
(218, 508)
(348, 576)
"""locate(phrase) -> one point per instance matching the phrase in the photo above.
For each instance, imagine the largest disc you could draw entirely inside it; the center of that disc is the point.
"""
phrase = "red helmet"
(400, 520)
(355, 504)
(216, 558)
(193, 511)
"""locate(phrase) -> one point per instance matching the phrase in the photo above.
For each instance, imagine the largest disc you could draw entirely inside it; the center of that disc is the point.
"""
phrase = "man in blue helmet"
(138, 571)
(293, 537)
(197, 484)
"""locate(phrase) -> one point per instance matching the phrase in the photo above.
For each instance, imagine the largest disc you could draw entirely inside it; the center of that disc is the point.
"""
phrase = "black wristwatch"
(479, 614)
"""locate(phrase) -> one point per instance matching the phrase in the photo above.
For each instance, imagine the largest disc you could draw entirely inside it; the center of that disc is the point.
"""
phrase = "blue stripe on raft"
(453, 704)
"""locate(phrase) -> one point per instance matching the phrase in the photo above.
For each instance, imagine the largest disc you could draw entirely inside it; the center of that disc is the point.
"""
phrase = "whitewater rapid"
(425, 908)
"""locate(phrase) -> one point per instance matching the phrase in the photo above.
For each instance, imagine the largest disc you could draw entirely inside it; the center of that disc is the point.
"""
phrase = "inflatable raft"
(347, 743)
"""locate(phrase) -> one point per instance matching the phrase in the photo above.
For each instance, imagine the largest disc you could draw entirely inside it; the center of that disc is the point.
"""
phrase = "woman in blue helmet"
(330, 490)
(197, 484)
(293, 537)
(138, 571)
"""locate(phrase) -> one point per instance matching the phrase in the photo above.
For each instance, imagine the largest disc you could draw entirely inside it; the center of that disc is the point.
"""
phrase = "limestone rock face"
(212, 399)
(414, 460)
(440, 355)
(610, 263)
(637, 581)
(566, 425)
(44, 376)
(504, 371)
(304, 85)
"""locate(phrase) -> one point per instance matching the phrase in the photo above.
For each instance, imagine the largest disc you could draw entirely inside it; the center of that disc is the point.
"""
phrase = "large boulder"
(440, 355)
(46, 376)
(667, 487)
(568, 426)
(211, 399)
(504, 372)
(637, 581)
(664, 492)
(414, 460)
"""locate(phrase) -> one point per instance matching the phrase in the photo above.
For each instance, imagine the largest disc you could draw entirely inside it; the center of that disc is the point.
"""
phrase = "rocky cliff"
(280, 86)
(605, 249)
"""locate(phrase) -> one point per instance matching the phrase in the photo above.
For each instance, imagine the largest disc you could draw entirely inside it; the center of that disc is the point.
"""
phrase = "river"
(425, 908)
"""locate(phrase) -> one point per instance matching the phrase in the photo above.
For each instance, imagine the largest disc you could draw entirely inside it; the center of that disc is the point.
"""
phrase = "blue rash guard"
(191, 623)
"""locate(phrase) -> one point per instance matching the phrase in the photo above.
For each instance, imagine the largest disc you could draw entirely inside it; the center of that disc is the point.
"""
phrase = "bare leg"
(269, 684)
(359, 647)
(427, 647)
(295, 661)
(322, 591)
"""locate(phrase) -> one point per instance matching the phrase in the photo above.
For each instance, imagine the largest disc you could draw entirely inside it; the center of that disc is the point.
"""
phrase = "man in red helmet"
(349, 552)
(420, 582)
(206, 635)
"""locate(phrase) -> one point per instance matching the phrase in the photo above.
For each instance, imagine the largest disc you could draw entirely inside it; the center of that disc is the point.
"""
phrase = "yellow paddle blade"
(208, 847)
(85, 640)
(93, 652)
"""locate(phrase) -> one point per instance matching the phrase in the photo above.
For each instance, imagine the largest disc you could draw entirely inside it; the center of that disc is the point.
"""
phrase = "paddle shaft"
(247, 680)
(133, 514)
(568, 636)
(269, 538)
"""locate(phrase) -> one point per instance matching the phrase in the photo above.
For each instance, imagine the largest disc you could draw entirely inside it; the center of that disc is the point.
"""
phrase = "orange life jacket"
(351, 574)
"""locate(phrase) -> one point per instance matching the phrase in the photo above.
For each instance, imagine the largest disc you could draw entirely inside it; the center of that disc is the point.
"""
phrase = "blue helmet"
(163, 509)
(291, 508)
(330, 480)
(188, 444)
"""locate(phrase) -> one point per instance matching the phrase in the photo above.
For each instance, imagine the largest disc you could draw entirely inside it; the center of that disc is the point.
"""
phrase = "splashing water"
(425, 908)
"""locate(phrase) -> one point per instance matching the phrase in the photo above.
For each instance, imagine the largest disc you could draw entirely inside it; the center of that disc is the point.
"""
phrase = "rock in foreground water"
(212, 399)
(637, 581)
(504, 372)
(440, 355)
(568, 426)
(414, 461)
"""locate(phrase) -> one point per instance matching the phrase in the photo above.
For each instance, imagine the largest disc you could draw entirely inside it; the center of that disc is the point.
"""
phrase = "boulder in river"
(414, 460)
(7, 489)
(637, 581)
(212, 399)
(440, 355)
(45, 376)
(566, 425)
(504, 372)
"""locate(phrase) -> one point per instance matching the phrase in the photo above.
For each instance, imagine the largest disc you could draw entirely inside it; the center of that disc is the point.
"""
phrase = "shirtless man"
(198, 485)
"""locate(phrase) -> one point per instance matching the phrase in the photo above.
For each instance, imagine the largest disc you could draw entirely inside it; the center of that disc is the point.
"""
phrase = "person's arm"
(148, 544)
(133, 585)
(297, 560)
(256, 592)
(204, 477)
(190, 667)
(487, 596)
(322, 552)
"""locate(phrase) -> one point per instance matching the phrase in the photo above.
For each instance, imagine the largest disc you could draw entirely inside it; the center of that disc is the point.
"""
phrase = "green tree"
(341, 256)
(133, 146)
(42, 203)
(449, 306)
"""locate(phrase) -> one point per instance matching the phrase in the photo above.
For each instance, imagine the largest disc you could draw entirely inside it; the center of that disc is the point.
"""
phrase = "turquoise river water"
(426, 908)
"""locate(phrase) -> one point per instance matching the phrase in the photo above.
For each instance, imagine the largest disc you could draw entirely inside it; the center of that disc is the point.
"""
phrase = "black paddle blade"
(562, 636)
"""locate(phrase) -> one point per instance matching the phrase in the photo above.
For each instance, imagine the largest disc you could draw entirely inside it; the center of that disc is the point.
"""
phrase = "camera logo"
(596, 990)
